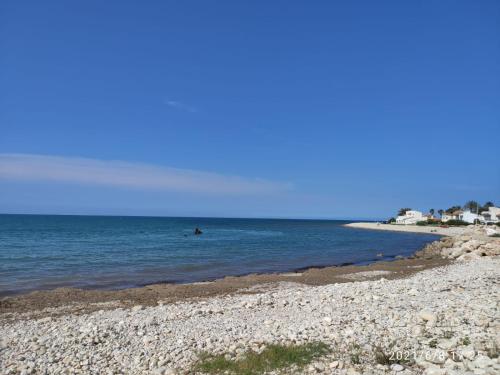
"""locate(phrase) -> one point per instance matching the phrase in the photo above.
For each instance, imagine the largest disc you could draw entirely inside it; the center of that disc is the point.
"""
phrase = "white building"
(451, 216)
(470, 217)
(410, 217)
(491, 216)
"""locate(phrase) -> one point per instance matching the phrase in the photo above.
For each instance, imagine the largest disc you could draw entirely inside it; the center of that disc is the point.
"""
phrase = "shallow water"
(44, 252)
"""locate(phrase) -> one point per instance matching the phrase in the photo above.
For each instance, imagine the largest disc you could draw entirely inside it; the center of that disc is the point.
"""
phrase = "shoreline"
(436, 230)
(293, 272)
(61, 301)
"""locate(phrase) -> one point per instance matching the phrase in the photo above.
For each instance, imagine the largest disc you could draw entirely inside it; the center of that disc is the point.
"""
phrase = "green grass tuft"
(433, 343)
(466, 340)
(382, 358)
(273, 357)
(355, 354)
(448, 334)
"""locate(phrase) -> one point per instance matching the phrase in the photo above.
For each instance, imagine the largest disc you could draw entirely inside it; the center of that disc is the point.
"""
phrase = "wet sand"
(62, 301)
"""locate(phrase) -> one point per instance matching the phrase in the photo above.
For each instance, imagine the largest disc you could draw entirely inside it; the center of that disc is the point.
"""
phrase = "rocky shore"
(472, 244)
(442, 320)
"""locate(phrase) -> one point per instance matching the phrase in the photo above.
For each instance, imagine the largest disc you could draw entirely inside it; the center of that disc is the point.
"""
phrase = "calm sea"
(43, 252)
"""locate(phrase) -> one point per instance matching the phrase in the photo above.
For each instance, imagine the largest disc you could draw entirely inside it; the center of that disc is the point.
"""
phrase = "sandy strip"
(451, 231)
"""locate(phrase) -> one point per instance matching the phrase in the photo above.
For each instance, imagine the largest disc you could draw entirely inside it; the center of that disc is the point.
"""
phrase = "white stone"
(468, 352)
(483, 361)
(428, 316)
(434, 370)
(397, 367)
(334, 364)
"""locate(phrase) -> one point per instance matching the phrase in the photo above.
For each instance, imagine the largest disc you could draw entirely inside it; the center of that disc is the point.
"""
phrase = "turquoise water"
(44, 252)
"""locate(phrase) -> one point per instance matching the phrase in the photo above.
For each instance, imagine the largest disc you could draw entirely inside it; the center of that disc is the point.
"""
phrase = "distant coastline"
(440, 231)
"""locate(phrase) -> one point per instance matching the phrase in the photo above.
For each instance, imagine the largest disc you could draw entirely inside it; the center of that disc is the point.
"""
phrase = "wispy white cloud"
(29, 167)
(181, 106)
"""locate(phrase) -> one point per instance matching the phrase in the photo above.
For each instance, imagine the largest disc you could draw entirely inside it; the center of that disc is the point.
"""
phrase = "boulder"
(469, 256)
(457, 251)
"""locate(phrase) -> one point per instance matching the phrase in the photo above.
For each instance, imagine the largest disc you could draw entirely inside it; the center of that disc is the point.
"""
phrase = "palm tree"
(453, 209)
(473, 206)
(431, 211)
(402, 211)
(486, 206)
(441, 212)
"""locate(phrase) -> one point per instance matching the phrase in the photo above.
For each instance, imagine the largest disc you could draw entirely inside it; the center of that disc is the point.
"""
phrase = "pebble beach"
(250, 188)
(442, 320)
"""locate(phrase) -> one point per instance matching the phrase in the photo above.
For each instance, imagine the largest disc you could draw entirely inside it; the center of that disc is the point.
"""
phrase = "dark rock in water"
(197, 231)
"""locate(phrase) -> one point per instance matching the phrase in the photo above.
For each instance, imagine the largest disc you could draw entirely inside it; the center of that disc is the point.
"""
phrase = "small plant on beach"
(273, 357)
(382, 358)
(355, 354)
(448, 334)
(355, 360)
(492, 350)
(466, 341)
(397, 356)
(427, 334)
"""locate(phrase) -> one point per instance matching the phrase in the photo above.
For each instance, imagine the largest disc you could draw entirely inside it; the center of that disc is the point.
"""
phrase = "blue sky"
(328, 109)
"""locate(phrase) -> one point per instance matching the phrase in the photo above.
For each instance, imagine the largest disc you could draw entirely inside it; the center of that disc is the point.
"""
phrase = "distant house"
(410, 217)
(451, 215)
(469, 217)
(429, 216)
(490, 216)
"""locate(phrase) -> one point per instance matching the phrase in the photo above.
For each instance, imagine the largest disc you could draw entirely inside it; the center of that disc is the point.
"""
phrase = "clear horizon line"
(202, 216)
